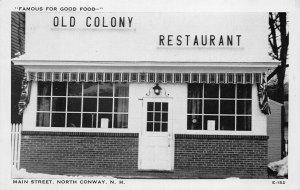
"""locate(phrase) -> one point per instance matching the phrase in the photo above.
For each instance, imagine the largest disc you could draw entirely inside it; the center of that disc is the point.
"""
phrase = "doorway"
(156, 142)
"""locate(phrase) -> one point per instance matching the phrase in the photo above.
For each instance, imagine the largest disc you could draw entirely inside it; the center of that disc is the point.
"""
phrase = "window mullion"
(81, 114)
(219, 107)
(97, 113)
(113, 107)
(66, 114)
(160, 127)
(153, 115)
(51, 99)
(202, 116)
(235, 107)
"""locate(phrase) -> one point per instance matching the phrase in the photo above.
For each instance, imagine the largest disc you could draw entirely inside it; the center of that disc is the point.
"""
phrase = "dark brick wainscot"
(221, 156)
(76, 153)
(116, 154)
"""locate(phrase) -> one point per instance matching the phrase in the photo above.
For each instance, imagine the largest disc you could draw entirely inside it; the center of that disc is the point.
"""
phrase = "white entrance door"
(156, 140)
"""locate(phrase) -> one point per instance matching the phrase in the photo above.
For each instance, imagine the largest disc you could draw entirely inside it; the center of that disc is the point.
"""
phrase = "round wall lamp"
(157, 89)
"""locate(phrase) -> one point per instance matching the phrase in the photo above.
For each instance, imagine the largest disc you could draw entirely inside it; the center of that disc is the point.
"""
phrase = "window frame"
(82, 112)
(219, 114)
(163, 119)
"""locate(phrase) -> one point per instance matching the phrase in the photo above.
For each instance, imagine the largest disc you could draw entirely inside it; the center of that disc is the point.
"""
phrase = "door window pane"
(164, 127)
(156, 126)
(150, 106)
(157, 116)
(150, 116)
(164, 117)
(149, 126)
(164, 106)
(157, 106)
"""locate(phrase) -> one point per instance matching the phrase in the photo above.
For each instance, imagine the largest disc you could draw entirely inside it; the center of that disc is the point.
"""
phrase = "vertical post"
(19, 145)
(15, 145)
(12, 143)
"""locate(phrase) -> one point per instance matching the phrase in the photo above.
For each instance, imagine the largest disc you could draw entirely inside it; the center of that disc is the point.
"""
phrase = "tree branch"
(273, 73)
(273, 34)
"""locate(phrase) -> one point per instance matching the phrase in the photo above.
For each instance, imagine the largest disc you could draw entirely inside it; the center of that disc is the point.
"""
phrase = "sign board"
(211, 125)
(165, 37)
(104, 123)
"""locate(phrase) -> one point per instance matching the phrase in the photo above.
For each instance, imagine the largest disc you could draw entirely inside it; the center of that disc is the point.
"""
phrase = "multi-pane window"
(219, 107)
(157, 116)
(82, 105)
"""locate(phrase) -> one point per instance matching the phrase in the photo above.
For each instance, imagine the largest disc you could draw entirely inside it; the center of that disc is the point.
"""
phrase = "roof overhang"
(93, 63)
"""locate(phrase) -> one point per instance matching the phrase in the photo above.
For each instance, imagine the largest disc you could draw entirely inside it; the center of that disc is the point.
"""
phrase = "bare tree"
(279, 41)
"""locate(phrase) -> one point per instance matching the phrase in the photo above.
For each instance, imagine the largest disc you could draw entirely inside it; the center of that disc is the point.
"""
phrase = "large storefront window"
(219, 107)
(82, 105)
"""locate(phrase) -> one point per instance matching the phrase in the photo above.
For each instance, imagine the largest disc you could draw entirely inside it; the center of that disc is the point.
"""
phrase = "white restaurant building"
(137, 94)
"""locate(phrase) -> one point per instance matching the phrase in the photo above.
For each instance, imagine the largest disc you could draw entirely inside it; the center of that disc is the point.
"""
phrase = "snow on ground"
(22, 173)
(280, 166)
(233, 178)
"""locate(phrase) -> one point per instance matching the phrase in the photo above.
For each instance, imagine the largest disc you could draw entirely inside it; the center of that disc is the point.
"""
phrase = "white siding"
(274, 132)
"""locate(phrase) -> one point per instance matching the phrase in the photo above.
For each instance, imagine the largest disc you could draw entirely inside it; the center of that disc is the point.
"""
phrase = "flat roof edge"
(144, 63)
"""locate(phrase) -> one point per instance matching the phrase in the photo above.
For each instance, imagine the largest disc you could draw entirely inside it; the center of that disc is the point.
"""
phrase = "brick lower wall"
(79, 153)
(221, 156)
(116, 154)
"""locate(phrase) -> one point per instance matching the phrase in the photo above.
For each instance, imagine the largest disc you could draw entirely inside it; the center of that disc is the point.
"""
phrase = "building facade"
(169, 95)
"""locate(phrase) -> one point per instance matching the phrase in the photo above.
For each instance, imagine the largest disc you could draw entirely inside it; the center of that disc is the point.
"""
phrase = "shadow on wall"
(17, 72)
